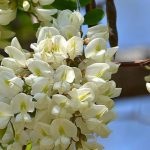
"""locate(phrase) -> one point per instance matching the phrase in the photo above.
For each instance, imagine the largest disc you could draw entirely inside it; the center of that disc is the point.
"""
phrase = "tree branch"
(91, 6)
(112, 19)
(136, 63)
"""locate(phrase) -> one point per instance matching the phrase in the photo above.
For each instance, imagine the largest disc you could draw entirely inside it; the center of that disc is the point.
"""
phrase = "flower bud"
(26, 5)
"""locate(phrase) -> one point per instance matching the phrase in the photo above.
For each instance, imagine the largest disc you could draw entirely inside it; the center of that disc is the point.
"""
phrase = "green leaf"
(4, 43)
(65, 4)
(94, 16)
(84, 2)
(2, 132)
(36, 26)
(5, 33)
(29, 146)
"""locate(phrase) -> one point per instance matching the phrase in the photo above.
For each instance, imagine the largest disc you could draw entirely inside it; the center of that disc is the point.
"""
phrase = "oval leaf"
(94, 16)
(65, 4)
(84, 2)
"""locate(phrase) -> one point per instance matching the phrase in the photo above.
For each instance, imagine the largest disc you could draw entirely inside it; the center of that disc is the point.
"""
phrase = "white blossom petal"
(63, 127)
(64, 73)
(6, 16)
(74, 47)
(5, 114)
(40, 68)
(94, 47)
(47, 32)
(148, 87)
(22, 103)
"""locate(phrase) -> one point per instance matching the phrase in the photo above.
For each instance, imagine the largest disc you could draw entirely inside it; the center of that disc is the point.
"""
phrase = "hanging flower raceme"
(60, 96)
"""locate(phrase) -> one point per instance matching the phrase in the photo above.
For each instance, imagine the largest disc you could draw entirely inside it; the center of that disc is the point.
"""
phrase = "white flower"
(110, 53)
(21, 138)
(147, 79)
(45, 15)
(42, 100)
(109, 89)
(98, 127)
(51, 50)
(41, 136)
(74, 47)
(45, 2)
(17, 57)
(22, 104)
(69, 31)
(54, 98)
(46, 32)
(104, 55)
(97, 72)
(16, 53)
(26, 5)
(6, 16)
(5, 114)
(64, 73)
(63, 76)
(67, 17)
(94, 47)
(62, 87)
(78, 75)
(42, 85)
(69, 23)
(11, 63)
(148, 87)
(93, 117)
(10, 84)
(98, 31)
(62, 130)
(105, 100)
(40, 68)
(91, 146)
(95, 111)
(81, 98)
(61, 107)
(101, 96)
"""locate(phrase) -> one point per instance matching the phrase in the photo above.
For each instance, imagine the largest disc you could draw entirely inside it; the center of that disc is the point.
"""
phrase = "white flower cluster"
(147, 79)
(60, 96)
(8, 9)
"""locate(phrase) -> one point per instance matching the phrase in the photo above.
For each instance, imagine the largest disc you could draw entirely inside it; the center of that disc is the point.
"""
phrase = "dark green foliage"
(94, 16)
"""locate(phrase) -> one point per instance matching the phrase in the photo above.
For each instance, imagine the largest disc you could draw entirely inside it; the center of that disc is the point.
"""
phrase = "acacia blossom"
(60, 96)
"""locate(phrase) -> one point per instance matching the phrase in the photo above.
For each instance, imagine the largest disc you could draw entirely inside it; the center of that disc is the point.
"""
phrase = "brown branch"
(136, 63)
(91, 6)
(112, 19)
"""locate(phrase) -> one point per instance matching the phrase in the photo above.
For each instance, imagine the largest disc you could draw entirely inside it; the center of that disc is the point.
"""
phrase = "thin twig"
(91, 6)
(112, 19)
(136, 63)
